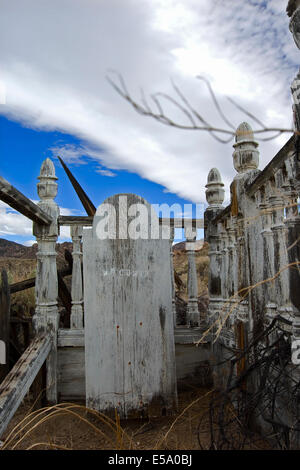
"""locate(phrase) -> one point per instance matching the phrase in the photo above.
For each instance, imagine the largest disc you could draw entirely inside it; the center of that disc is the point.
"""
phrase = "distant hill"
(10, 249)
(181, 245)
(20, 263)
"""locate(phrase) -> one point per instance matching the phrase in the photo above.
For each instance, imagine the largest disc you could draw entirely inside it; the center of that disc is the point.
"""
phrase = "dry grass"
(19, 270)
(72, 426)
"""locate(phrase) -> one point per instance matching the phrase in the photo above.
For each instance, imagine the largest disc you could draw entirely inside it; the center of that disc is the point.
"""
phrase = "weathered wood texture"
(193, 316)
(191, 362)
(77, 281)
(71, 373)
(46, 318)
(22, 204)
(129, 328)
(275, 164)
(88, 221)
(16, 384)
(29, 283)
(4, 325)
(254, 240)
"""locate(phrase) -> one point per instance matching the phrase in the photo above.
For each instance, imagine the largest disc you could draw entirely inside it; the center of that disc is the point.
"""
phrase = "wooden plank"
(182, 223)
(223, 214)
(70, 338)
(69, 220)
(129, 332)
(22, 204)
(4, 322)
(275, 164)
(71, 373)
(29, 283)
(190, 362)
(84, 199)
(88, 221)
(16, 384)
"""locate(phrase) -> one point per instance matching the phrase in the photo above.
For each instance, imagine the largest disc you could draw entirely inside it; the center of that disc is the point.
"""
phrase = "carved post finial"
(245, 156)
(47, 187)
(215, 189)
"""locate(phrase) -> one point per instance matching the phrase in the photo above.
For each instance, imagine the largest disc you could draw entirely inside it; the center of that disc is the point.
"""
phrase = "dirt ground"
(71, 427)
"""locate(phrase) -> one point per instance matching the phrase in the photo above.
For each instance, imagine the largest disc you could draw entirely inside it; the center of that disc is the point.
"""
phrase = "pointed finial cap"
(214, 177)
(245, 155)
(47, 170)
(215, 189)
(244, 134)
(47, 187)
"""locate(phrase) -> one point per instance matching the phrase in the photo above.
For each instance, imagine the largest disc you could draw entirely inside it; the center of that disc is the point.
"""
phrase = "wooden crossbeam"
(17, 383)
(15, 199)
(29, 283)
(88, 221)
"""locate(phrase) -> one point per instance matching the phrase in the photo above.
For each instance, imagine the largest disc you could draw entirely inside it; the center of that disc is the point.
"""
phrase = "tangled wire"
(258, 407)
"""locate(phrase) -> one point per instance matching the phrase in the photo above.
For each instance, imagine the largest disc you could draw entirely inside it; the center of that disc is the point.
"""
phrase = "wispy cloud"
(69, 153)
(55, 78)
(14, 223)
(105, 172)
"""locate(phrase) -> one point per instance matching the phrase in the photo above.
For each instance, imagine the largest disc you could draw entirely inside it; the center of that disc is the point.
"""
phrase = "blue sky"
(55, 98)
(23, 150)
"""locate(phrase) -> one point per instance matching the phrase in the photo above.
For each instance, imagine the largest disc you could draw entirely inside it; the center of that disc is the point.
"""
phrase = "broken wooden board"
(22, 204)
(16, 384)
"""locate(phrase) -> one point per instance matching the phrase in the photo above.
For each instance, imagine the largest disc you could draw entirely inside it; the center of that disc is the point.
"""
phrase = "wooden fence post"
(193, 316)
(46, 318)
(77, 291)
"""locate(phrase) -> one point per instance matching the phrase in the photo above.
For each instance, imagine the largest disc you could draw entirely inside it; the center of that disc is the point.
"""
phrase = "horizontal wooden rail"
(223, 214)
(29, 283)
(87, 221)
(275, 164)
(22, 204)
(17, 383)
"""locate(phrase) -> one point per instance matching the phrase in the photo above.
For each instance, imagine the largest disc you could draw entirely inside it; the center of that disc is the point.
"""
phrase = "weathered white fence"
(254, 244)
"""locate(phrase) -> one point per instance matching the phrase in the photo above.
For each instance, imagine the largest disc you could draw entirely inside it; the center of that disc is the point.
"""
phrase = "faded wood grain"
(17, 382)
(22, 204)
(129, 327)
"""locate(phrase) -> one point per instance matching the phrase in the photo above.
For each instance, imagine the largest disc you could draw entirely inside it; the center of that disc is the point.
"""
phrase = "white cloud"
(13, 223)
(29, 242)
(104, 172)
(55, 55)
(70, 153)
